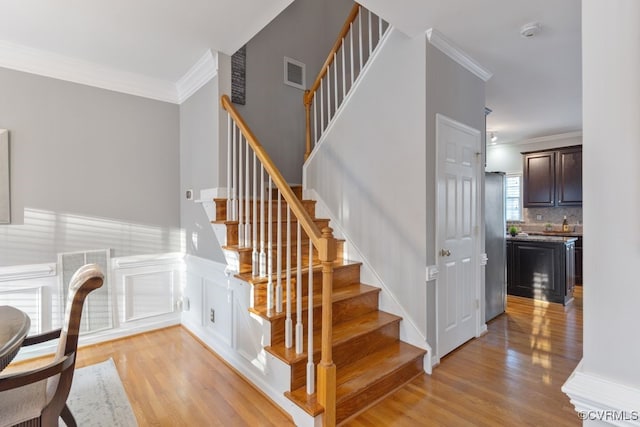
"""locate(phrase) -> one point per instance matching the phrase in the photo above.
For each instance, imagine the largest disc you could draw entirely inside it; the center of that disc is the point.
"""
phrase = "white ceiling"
(535, 90)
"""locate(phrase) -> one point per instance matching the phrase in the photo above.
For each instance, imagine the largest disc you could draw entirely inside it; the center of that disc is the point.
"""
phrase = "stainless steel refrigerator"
(495, 245)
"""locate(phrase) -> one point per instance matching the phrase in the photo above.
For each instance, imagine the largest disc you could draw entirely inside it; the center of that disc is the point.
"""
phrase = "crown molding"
(197, 76)
(454, 52)
(547, 138)
(43, 63)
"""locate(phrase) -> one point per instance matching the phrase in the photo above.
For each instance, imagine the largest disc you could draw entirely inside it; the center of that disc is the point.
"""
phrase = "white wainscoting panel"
(28, 300)
(218, 309)
(148, 294)
(236, 335)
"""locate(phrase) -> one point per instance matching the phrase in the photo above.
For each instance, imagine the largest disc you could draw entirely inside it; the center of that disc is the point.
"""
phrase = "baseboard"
(601, 400)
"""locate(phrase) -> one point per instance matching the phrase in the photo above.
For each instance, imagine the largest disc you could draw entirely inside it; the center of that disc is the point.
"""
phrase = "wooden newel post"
(307, 107)
(326, 367)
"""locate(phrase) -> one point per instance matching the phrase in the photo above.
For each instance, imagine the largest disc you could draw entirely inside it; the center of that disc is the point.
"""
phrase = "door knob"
(445, 252)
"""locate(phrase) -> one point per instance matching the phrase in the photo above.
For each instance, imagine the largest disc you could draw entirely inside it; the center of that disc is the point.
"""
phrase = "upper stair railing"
(359, 37)
(260, 219)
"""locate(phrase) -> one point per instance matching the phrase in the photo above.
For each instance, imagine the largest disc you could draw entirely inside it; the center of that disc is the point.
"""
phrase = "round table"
(14, 327)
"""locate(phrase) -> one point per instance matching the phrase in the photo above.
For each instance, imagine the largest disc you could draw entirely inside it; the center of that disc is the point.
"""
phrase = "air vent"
(96, 313)
(294, 73)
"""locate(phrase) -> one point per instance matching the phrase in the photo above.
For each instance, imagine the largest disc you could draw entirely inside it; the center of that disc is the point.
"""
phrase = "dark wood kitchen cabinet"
(579, 261)
(543, 270)
(538, 179)
(569, 177)
(552, 178)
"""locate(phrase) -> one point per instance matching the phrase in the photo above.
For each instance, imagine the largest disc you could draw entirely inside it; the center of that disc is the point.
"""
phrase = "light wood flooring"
(510, 376)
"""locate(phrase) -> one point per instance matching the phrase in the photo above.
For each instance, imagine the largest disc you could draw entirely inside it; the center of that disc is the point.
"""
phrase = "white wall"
(508, 157)
(90, 169)
(372, 178)
(611, 89)
(201, 161)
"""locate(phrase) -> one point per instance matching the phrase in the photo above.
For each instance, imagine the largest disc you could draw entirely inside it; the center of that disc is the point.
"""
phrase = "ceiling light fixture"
(529, 30)
(493, 137)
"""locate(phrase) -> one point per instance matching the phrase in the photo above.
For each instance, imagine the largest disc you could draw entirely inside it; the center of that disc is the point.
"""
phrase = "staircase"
(370, 359)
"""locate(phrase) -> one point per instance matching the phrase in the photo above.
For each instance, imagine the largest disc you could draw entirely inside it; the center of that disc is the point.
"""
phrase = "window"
(513, 197)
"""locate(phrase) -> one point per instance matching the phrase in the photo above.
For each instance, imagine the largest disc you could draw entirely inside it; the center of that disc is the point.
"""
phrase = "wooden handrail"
(312, 230)
(325, 243)
(309, 94)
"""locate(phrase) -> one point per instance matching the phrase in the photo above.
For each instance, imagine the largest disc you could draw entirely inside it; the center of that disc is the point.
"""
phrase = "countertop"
(546, 238)
(555, 233)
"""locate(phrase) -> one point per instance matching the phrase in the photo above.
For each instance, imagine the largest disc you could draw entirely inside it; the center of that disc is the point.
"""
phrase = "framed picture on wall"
(5, 199)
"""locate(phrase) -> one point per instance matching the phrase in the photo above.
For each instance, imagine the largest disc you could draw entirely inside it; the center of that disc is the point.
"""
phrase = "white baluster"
(229, 186)
(299, 326)
(379, 29)
(288, 323)
(315, 121)
(263, 255)
(270, 302)
(321, 108)
(335, 78)
(370, 35)
(234, 166)
(310, 366)
(279, 258)
(328, 94)
(360, 36)
(351, 51)
(247, 204)
(344, 72)
(240, 193)
(255, 261)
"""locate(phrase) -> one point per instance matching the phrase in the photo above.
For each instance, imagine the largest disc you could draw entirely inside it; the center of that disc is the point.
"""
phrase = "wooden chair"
(38, 397)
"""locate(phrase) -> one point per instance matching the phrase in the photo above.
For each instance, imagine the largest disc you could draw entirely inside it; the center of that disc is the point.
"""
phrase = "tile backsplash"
(554, 216)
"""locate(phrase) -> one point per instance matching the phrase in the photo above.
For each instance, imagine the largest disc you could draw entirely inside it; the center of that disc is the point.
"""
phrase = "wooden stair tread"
(294, 220)
(255, 280)
(339, 294)
(342, 333)
(355, 377)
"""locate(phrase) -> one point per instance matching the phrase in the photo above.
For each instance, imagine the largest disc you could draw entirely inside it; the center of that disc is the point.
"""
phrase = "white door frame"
(479, 324)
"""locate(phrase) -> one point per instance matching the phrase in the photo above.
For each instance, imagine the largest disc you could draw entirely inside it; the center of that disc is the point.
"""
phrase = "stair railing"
(359, 37)
(248, 167)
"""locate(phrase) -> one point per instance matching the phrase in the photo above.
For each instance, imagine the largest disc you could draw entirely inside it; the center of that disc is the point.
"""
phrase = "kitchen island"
(541, 267)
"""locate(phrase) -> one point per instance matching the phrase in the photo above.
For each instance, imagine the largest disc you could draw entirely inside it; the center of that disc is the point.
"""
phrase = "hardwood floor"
(510, 376)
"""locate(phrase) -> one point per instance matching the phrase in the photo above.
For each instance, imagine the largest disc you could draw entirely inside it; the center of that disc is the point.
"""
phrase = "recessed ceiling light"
(529, 30)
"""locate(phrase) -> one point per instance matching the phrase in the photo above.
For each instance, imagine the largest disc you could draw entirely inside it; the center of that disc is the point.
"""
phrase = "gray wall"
(90, 168)
(456, 93)
(305, 31)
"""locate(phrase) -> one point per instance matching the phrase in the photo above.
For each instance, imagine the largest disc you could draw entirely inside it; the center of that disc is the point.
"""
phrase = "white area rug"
(97, 398)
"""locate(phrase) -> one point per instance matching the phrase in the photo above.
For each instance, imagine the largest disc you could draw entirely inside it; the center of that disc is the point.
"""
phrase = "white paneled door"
(457, 232)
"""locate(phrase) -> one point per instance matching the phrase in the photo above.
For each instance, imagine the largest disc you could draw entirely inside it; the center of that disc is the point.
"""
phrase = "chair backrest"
(86, 279)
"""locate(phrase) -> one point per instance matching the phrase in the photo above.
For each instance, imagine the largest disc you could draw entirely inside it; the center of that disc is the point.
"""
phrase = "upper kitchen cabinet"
(569, 177)
(552, 178)
(539, 179)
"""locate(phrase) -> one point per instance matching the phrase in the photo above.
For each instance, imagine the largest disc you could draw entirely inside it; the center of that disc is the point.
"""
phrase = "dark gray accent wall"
(90, 168)
(305, 31)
